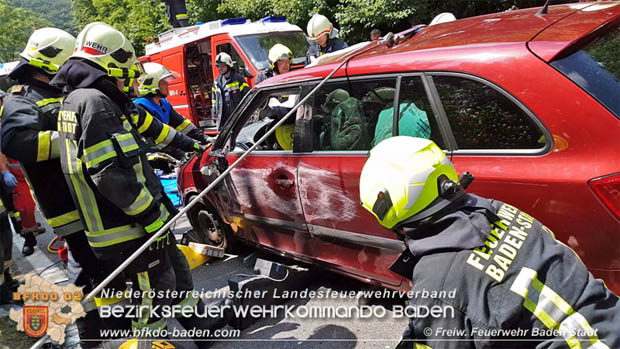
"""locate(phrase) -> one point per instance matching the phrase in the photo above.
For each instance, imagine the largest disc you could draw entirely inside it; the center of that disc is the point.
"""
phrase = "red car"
(527, 102)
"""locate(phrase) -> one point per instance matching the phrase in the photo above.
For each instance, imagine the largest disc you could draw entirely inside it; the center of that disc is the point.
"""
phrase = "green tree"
(138, 20)
(16, 25)
(58, 12)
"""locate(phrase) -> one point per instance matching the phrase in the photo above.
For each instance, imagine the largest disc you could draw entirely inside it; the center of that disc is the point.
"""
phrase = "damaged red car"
(529, 103)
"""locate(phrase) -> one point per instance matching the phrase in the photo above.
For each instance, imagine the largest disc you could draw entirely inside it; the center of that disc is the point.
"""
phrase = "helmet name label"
(96, 46)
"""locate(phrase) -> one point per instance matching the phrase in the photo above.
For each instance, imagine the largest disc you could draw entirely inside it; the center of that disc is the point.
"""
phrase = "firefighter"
(176, 10)
(6, 242)
(228, 89)
(119, 196)
(158, 136)
(29, 122)
(153, 87)
(324, 38)
(280, 59)
(496, 276)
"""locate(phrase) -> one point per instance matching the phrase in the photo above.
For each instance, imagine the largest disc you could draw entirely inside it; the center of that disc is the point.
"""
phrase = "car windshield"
(596, 69)
(257, 46)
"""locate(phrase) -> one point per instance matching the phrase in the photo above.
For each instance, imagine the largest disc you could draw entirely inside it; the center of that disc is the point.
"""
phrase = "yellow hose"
(50, 246)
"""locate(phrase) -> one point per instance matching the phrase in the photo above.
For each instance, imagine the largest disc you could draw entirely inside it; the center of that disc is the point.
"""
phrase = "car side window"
(262, 114)
(415, 114)
(483, 118)
(345, 114)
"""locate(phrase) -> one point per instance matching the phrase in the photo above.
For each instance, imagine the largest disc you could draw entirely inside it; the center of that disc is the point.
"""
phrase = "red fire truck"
(191, 51)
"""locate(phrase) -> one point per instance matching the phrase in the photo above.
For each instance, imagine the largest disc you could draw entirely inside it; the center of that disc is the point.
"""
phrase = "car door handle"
(284, 182)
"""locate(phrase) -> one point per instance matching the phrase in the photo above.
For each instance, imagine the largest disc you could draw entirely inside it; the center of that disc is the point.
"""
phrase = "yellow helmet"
(407, 179)
(108, 48)
(153, 74)
(278, 52)
(48, 49)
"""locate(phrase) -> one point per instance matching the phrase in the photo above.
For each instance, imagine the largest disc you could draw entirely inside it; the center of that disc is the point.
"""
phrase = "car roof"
(547, 33)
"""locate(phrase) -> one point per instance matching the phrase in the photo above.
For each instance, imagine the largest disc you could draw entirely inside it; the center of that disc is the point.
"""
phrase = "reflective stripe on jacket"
(29, 121)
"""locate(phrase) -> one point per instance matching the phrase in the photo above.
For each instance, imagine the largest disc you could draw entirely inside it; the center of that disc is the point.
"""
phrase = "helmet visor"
(170, 76)
(121, 55)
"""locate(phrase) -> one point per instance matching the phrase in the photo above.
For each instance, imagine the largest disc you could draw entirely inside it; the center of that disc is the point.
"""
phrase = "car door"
(344, 235)
(264, 185)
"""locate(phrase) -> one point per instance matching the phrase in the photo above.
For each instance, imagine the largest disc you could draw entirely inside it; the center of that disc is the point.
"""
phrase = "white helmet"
(48, 49)
(318, 26)
(278, 52)
(108, 48)
(443, 17)
(224, 58)
(153, 74)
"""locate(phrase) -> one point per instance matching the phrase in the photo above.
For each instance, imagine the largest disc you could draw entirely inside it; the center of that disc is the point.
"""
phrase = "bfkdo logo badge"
(35, 320)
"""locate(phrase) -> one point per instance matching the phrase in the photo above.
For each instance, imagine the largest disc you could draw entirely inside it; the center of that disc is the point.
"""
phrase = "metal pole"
(167, 226)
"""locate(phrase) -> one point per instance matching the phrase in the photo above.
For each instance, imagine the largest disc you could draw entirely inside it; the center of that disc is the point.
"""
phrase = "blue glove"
(9, 179)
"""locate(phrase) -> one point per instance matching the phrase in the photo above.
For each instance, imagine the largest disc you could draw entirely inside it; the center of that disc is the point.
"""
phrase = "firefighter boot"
(88, 329)
(29, 243)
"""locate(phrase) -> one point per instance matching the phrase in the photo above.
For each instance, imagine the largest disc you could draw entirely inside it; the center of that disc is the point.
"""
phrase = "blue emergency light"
(274, 19)
(233, 21)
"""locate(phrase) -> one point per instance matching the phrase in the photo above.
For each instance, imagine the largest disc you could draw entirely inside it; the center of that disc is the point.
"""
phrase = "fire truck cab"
(191, 51)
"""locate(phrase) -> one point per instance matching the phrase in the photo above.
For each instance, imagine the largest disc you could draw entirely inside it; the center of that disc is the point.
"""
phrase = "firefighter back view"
(497, 276)
(29, 121)
(119, 196)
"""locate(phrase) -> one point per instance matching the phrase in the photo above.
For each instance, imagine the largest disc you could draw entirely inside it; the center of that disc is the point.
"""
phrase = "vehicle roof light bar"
(274, 19)
(234, 21)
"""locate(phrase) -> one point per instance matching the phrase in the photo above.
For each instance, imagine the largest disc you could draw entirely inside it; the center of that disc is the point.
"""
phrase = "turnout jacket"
(509, 282)
(166, 114)
(161, 135)
(315, 50)
(227, 93)
(117, 192)
(29, 119)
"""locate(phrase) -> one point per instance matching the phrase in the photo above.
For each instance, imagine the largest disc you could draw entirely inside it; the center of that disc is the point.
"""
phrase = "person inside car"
(412, 122)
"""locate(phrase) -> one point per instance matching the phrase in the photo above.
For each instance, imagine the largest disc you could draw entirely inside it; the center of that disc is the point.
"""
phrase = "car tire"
(212, 229)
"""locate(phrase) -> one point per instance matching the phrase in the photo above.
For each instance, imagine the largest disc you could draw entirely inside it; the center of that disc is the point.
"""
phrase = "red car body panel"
(552, 185)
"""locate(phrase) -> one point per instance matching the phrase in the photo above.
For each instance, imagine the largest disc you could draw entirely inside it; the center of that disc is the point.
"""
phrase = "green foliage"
(58, 12)
(138, 20)
(16, 25)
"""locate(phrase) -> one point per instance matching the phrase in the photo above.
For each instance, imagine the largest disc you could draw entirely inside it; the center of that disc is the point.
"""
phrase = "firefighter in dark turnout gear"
(119, 196)
(29, 121)
(228, 89)
(496, 276)
(324, 38)
(154, 89)
(176, 10)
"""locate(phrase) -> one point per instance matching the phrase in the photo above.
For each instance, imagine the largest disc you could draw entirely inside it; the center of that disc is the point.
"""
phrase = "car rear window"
(483, 118)
(596, 69)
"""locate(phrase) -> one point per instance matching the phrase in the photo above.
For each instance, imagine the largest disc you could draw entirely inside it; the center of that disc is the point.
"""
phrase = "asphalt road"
(278, 331)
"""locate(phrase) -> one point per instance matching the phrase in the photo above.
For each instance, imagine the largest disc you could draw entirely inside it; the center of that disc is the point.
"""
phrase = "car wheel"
(212, 230)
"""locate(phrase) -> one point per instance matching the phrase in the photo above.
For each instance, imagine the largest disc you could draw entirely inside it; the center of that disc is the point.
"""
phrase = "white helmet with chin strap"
(153, 74)
(107, 47)
(48, 49)
(318, 26)
(224, 58)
